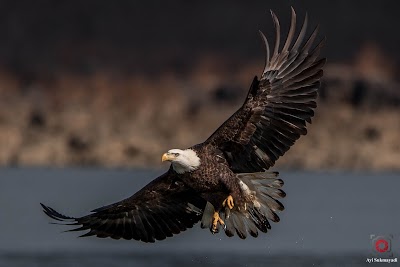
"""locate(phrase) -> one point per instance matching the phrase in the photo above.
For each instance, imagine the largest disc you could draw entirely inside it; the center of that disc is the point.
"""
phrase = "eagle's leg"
(216, 220)
(228, 202)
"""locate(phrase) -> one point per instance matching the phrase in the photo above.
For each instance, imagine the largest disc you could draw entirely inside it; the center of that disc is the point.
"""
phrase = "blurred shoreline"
(129, 121)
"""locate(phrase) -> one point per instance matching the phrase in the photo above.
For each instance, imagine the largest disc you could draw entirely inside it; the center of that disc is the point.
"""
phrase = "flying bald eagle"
(224, 181)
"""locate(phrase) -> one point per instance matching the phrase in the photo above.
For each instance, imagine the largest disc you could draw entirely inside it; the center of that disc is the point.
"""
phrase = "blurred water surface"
(328, 220)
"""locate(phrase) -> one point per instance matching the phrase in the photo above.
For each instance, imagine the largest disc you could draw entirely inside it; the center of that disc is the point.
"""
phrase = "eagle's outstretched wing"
(160, 209)
(277, 107)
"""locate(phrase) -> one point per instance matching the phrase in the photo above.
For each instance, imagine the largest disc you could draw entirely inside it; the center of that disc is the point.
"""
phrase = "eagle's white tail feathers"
(241, 224)
(262, 190)
(206, 220)
(265, 188)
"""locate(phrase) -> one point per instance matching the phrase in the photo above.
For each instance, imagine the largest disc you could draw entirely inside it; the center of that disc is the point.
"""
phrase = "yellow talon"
(228, 202)
(216, 220)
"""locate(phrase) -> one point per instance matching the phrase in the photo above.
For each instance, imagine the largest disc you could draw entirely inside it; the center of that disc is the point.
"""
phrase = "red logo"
(381, 245)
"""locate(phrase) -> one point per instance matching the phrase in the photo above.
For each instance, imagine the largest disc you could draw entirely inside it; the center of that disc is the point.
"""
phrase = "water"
(328, 220)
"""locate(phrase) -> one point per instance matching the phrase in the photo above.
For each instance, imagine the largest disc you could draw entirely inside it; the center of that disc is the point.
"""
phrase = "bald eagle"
(223, 182)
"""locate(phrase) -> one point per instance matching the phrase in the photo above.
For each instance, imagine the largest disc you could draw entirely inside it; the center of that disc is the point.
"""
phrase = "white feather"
(186, 161)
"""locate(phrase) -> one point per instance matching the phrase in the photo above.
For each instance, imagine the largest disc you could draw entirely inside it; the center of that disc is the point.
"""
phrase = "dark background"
(82, 36)
(42, 37)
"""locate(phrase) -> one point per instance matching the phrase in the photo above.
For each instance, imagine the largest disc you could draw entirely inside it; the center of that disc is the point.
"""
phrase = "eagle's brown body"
(215, 180)
(233, 160)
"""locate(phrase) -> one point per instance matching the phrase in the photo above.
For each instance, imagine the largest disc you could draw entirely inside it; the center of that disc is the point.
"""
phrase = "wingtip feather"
(267, 51)
(55, 215)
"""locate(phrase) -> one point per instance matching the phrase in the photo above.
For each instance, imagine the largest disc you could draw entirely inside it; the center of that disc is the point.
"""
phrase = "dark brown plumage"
(231, 162)
(160, 209)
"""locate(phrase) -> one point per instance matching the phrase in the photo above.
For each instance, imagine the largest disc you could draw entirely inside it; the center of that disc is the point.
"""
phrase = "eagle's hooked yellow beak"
(168, 157)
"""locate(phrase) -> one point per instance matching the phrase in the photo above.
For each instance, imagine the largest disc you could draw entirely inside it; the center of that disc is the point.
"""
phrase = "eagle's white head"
(182, 160)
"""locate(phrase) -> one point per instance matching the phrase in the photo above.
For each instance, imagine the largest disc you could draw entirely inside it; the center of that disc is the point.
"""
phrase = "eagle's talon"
(228, 202)
(216, 220)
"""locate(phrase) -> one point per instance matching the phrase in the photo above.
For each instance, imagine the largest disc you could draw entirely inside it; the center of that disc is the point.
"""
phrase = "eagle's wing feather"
(277, 107)
(164, 207)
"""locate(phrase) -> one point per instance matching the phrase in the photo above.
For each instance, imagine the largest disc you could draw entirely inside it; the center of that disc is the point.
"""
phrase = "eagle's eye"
(176, 154)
